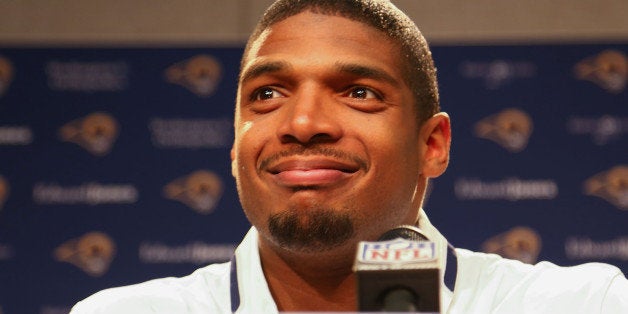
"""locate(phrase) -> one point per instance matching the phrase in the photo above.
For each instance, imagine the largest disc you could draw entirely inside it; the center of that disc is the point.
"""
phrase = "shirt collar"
(446, 256)
(249, 292)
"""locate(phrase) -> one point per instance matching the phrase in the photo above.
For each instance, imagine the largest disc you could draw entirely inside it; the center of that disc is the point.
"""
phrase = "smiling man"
(337, 131)
(330, 149)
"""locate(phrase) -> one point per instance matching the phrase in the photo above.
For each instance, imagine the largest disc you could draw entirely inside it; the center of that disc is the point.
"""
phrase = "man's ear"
(435, 137)
(234, 164)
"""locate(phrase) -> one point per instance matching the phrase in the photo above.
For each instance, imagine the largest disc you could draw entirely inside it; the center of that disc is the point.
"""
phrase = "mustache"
(314, 151)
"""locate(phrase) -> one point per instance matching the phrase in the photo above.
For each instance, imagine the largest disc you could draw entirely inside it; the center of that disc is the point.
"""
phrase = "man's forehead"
(255, 45)
(327, 25)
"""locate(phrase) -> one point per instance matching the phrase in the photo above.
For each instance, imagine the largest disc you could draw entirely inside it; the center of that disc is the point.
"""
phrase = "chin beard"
(315, 230)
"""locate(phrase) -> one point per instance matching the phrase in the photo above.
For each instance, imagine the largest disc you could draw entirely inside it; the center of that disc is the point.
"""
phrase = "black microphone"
(398, 273)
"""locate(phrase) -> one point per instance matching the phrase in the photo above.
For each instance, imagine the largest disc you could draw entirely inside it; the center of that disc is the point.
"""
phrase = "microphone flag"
(398, 275)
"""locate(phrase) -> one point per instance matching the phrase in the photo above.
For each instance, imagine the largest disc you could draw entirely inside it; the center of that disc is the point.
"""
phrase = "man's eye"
(265, 94)
(363, 93)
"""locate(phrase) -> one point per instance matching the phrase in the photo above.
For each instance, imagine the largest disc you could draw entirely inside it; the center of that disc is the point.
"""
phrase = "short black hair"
(418, 66)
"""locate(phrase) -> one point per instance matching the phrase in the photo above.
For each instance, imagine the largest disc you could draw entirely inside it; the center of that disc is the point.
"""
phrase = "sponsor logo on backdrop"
(6, 252)
(510, 128)
(194, 253)
(6, 74)
(608, 70)
(512, 189)
(95, 132)
(497, 73)
(602, 130)
(50, 309)
(15, 135)
(87, 76)
(610, 185)
(4, 191)
(191, 133)
(200, 74)
(92, 253)
(584, 248)
(88, 193)
(520, 243)
(201, 190)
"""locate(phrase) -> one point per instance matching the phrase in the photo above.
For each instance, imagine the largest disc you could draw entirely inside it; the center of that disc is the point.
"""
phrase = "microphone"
(398, 273)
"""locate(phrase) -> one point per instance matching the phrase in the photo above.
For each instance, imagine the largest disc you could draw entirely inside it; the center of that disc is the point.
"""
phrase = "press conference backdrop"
(115, 169)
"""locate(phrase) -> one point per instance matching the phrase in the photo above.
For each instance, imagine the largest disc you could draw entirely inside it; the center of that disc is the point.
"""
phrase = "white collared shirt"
(484, 283)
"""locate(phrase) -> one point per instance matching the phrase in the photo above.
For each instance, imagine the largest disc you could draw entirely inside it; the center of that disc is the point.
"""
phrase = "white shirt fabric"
(484, 283)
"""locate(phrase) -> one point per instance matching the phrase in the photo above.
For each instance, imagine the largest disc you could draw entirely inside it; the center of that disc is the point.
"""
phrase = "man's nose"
(311, 117)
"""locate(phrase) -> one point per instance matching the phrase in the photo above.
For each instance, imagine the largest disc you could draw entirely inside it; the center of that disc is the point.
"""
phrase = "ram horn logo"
(611, 185)
(511, 128)
(92, 253)
(608, 69)
(199, 74)
(4, 191)
(520, 243)
(6, 75)
(200, 190)
(95, 132)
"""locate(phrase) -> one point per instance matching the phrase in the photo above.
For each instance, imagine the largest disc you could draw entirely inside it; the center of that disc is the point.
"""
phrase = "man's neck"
(309, 281)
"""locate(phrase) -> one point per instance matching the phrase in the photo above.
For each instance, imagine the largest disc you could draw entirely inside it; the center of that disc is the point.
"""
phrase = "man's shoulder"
(206, 289)
(490, 281)
(584, 273)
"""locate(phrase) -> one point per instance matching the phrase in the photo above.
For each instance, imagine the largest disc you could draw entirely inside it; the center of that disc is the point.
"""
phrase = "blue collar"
(234, 289)
(451, 268)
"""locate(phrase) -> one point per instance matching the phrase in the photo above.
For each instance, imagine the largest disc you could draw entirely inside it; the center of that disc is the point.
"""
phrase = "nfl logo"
(397, 251)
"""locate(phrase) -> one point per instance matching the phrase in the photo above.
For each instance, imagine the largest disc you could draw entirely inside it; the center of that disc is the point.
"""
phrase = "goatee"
(314, 230)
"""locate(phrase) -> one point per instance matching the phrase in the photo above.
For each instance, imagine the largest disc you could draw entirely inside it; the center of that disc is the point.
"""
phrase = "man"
(337, 131)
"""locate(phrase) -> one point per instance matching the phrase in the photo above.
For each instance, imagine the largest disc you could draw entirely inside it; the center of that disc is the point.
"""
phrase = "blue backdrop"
(114, 163)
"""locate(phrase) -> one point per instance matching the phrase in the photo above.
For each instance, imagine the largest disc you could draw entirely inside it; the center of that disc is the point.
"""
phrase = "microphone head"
(398, 272)
(407, 232)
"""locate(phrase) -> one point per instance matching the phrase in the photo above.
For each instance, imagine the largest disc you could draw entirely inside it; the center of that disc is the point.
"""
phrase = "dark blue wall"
(114, 163)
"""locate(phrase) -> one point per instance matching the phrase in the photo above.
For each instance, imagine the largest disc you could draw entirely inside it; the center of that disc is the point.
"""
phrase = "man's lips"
(302, 172)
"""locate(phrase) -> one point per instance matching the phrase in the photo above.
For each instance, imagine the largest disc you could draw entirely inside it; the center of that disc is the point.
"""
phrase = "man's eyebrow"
(367, 72)
(262, 68)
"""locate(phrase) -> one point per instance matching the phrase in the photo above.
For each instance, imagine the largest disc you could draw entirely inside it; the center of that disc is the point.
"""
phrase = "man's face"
(326, 148)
